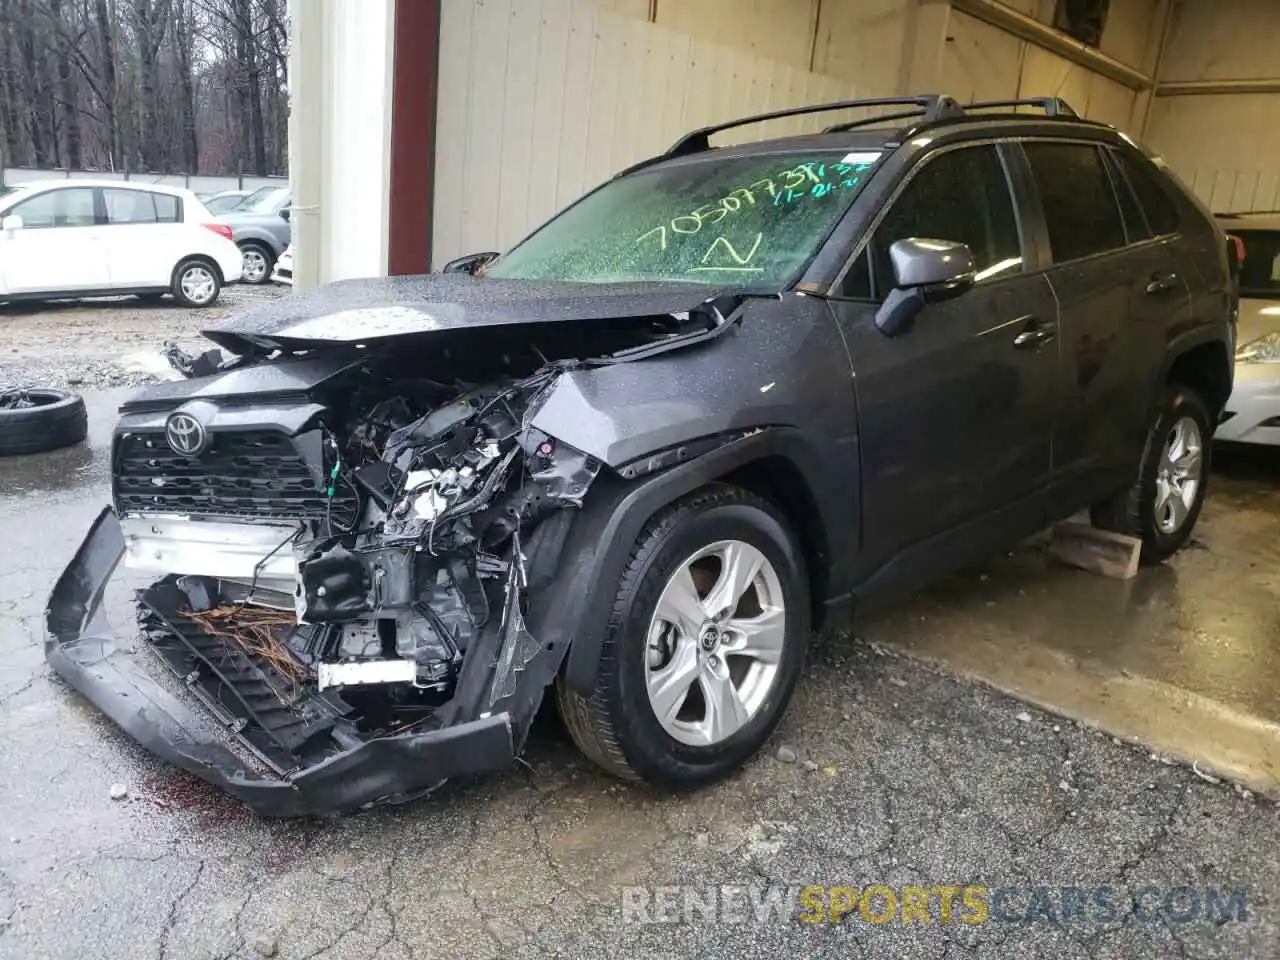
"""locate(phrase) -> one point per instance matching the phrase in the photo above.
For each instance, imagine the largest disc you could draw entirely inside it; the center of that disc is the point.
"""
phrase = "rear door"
(58, 249)
(955, 415)
(1117, 287)
(145, 237)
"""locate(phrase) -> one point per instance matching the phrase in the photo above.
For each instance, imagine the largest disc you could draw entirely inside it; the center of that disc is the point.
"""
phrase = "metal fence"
(198, 184)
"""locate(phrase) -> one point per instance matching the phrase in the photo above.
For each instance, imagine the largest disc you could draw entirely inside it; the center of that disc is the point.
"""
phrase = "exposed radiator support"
(1042, 35)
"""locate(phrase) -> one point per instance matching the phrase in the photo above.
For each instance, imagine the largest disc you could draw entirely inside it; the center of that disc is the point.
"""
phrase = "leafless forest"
(168, 86)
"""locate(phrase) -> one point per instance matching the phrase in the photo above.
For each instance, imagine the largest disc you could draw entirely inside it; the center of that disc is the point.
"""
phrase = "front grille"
(259, 474)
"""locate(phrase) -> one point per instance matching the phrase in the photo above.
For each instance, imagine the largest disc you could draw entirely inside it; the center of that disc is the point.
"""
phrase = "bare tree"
(192, 86)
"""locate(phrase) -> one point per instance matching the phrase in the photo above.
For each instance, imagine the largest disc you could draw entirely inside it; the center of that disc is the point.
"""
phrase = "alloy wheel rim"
(1179, 475)
(715, 643)
(197, 284)
(254, 265)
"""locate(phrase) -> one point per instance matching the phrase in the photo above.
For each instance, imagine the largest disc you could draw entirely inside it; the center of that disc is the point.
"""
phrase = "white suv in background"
(85, 238)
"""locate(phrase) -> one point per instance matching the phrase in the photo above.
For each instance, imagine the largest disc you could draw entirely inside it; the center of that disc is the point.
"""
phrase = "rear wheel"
(196, 283)
(1162, 506)
(704, 646)
(257, 261)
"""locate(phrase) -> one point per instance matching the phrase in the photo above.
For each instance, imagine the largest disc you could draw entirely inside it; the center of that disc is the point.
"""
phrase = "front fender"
(573, 611)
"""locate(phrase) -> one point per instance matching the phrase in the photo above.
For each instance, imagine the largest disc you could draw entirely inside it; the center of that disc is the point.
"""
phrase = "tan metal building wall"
(1217, 116)
(541, 100)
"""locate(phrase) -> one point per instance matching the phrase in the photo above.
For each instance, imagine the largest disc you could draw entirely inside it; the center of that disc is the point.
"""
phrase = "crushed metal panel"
(209, 548)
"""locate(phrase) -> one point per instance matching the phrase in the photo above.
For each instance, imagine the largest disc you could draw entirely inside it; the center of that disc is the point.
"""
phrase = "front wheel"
(1162, 506)
(704, 645)
(196, 283)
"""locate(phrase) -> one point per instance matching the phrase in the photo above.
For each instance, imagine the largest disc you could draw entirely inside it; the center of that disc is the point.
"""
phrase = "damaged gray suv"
(639, 457)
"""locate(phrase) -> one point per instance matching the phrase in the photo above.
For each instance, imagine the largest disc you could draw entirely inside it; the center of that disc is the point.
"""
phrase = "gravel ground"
(104, 343)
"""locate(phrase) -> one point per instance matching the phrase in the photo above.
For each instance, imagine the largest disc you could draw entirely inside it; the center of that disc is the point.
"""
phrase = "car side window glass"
(1135, 224)
(1080, 208)
(168, 208)
(962, 196)
(57, 208)
(129, 206)
(1161, 211)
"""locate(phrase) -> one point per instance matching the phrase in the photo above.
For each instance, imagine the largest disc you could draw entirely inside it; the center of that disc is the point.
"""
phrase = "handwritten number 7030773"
(807, 180)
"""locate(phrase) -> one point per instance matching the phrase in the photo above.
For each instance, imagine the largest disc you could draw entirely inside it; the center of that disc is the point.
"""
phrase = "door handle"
(1162, 283)
(1034, 333)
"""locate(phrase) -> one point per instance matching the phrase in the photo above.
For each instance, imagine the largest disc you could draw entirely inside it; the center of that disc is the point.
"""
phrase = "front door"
(955, 415)
(58, 248)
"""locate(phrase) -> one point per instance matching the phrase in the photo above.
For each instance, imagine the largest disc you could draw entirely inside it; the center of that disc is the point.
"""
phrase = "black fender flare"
(1186, 341)
(574, 609)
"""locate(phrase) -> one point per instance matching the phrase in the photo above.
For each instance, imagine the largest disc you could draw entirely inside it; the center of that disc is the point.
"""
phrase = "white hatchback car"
(84, 238)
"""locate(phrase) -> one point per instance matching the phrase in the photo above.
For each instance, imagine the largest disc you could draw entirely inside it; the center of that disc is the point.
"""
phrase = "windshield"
(265, 202)
(1260, 273)
(754, 221)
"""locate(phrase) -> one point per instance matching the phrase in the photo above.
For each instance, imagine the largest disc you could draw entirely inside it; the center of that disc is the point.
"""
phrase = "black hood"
(368, 311)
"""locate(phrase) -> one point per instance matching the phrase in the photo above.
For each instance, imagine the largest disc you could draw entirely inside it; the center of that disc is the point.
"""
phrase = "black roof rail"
(933, 106)
(1052, 106)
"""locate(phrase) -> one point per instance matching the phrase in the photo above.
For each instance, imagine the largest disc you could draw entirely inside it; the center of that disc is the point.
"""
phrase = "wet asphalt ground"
(902, 776)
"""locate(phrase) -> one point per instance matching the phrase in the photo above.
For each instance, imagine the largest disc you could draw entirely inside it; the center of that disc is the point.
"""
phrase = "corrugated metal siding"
(1226, 146)
(982, 62)
(541, 100)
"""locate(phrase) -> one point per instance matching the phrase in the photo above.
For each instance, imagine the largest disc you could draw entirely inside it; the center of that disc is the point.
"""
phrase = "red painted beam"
(415, 79)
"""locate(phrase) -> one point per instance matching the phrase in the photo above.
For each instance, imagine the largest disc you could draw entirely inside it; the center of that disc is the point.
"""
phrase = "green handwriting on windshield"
(813, 180)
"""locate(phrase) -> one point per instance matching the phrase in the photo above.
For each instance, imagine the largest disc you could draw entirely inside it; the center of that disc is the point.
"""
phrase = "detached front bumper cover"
(115, 680)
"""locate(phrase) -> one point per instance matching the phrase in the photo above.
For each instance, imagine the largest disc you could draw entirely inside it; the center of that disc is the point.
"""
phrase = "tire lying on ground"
(34, 420)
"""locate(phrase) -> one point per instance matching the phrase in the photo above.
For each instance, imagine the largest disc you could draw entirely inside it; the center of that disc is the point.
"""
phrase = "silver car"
(260, 228)
(1252, 415)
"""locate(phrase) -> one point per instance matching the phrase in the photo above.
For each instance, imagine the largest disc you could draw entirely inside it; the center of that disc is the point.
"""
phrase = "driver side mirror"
(470, 263)
(11, 223)
(285, 214)
(924, 271)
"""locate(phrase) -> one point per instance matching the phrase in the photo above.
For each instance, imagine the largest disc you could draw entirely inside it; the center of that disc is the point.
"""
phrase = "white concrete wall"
(1227, 146)
(541, 100)
(340, 137)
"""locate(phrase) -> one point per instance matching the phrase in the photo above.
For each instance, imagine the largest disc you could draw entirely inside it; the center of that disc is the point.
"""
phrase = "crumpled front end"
(268, 754)
(338, 614)
(344, 543)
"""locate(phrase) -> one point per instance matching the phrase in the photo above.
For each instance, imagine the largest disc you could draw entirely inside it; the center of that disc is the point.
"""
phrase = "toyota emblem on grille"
(186, 435)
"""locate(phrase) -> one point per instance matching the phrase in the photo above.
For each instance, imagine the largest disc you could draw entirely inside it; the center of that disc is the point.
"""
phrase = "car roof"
(972, 126)
(1255, 220)
(33, 186)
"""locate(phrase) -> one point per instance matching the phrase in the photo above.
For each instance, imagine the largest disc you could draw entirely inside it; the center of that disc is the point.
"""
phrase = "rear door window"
(1157, 204)
(168, 208)
(1135, 223)
(1080, 207)
(962, 196)
(129, 206)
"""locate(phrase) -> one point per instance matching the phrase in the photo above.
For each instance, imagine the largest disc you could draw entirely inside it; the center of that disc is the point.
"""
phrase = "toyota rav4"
(640, 456)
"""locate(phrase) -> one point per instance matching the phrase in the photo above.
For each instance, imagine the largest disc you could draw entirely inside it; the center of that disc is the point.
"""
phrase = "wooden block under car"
(1098, 551)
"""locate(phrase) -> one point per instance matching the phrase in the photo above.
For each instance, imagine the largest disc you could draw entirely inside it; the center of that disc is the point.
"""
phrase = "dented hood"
(368, 311)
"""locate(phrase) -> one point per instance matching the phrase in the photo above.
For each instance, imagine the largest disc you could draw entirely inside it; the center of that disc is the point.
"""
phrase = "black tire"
(58, 419)
(253, 248)
(1133, 511)
(186, 269)
(615, 726)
